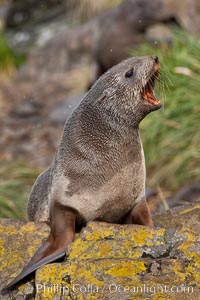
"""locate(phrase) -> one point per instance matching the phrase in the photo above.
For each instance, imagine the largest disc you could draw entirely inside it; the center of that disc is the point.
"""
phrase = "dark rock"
(185, 195)
(62, 111)
(34, 22)
(4, 8)
(28, 109)
(150, 193)
(31, 12)
(187, 215)
(159, 34)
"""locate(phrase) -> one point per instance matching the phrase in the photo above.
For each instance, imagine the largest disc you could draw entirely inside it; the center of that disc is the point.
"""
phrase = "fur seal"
(98, 172)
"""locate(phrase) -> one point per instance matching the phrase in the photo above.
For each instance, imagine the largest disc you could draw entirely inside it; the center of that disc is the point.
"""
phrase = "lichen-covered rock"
(18, 242)
(187, 215)
(108, 261)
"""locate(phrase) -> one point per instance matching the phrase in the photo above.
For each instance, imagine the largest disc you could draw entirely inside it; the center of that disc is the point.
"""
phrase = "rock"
(150, 193)
(18, 242)
(33, 11)
(4, 7)
(29, 109)
(31, 124)
(189, 215)
(63, 111)
(25, 20)
(109, 261)
(187, 194)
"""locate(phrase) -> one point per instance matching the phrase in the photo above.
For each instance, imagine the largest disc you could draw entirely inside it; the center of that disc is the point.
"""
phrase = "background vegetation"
(9, 61)
(171, 135)
(16, 180)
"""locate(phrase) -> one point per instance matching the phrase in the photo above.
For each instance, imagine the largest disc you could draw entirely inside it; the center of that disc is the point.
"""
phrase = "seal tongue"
(148, 92)
(150, 97)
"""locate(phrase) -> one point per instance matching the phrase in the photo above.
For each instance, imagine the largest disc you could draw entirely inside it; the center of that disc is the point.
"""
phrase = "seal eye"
(129, 73)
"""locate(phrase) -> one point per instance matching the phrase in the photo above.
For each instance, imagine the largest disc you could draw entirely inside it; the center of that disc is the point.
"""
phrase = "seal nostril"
(156, 59)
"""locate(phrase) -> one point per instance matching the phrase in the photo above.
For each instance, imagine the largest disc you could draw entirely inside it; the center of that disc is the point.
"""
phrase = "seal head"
(128, 89)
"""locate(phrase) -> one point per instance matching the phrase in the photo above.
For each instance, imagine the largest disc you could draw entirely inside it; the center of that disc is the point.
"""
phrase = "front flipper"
(62, 224)
(140, 214)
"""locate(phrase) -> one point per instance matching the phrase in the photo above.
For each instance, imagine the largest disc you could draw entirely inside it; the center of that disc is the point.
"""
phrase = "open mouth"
(148, 90)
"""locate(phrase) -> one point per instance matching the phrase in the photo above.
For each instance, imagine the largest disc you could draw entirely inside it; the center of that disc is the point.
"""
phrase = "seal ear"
(107, 93)
(62, 233)
(99, 99)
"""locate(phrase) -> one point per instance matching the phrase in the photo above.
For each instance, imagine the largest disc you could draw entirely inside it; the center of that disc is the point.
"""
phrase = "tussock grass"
(9, 61)
(16, 180)
(90, 8)
(171, 136)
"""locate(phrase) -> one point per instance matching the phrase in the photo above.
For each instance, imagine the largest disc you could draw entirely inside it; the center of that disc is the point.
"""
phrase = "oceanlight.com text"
(113, 288)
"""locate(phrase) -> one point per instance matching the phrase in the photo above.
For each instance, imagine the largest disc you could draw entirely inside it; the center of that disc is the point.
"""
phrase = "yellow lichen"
(8, 230)
(177, 268)
(49, 281)
(146, 236)
(192, 270)
(126, 268)
(187, 210)
(189, 235)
